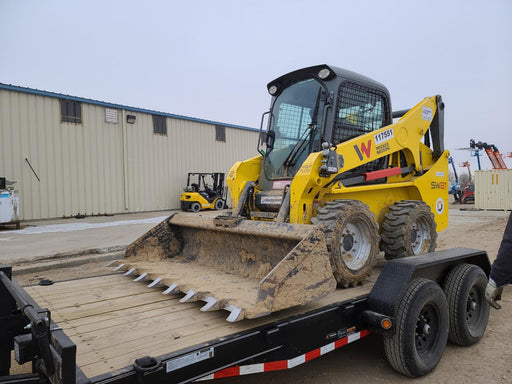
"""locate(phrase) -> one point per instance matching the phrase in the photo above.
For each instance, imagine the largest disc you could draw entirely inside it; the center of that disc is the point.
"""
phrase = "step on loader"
(336, 181)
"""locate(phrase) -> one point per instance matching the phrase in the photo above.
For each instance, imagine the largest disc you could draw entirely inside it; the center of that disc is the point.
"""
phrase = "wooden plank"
(95, 295)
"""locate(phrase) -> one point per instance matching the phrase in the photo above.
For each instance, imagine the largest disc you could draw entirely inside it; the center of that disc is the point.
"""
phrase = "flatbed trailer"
(108, 329)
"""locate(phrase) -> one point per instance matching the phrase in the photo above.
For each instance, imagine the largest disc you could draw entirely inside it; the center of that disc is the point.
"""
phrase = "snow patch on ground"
(81, 226)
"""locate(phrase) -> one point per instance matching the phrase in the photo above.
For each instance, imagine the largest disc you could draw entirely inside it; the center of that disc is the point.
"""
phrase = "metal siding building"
(493, 189)
(97, 167)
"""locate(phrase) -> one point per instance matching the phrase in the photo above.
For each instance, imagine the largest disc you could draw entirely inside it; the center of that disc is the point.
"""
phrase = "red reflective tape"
(227, 372)
(383, 173)
(283, 364)
(313, 354)
(275, 365)
(364, 333)
(340, 342)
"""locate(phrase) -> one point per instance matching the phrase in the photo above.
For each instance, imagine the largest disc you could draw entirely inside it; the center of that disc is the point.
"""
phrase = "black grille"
(359, 110)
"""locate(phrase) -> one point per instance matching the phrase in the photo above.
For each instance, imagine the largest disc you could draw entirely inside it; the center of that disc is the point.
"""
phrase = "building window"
(111, 116)
(220, 133)
(71, 111)
(159, 125)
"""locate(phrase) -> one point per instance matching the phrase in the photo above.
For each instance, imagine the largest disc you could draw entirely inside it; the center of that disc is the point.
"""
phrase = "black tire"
(469, 310)
(352, 237)
(409, 229)
(195, 207)
(220, 204)
(421, 329)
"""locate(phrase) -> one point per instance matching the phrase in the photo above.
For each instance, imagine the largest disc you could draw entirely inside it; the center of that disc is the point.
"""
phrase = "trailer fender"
(392, 282)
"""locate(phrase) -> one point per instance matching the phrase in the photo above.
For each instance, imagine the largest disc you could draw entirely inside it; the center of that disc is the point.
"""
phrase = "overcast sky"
(213, 59)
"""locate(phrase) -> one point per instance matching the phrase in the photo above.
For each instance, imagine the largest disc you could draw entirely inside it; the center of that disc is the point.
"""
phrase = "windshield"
(296, 115)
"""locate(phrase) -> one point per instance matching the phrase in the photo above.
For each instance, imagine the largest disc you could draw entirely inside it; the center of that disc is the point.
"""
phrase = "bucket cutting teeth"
(189, 296)
(112, 262)
(130, 271)
(155, 282)
(236, 313)
(212, 304)
(141, 277)
(173, 288)
(120, 266)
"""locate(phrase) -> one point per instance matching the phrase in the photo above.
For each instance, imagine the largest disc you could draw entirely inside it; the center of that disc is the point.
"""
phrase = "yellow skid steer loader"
(336, 181)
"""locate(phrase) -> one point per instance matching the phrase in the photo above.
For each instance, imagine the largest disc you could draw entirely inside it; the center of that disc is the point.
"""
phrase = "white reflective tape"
(207, 377)
(353, 337)
(327, 348)
(250, 369)
(296, 361)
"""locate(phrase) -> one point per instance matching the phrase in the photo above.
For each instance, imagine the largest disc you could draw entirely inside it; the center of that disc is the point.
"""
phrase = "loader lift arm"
(310, 181)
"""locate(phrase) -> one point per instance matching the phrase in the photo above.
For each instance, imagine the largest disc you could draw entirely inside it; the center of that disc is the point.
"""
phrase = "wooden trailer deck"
(114, 321)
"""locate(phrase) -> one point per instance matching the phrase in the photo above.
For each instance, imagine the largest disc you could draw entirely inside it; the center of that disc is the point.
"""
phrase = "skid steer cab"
(203, 191)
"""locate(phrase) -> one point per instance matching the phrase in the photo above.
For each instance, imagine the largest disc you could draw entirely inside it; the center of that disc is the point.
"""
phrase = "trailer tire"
(469, 311)
(195, 207)
(219, 204)
(421, 329)
(409, 229)
(352, 238)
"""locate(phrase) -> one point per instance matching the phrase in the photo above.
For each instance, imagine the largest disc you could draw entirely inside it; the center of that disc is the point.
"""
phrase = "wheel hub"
(425, 334)
(348, 242)
(419, 234)
(355, 245)
(472, 308)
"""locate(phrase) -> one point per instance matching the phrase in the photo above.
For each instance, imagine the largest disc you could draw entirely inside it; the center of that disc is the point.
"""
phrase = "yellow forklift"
(203, 191)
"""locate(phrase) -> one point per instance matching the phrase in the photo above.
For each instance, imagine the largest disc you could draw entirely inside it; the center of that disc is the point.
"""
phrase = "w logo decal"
(365, 148)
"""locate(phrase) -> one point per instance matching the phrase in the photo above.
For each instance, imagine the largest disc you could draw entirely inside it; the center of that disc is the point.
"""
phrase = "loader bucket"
(249, 268)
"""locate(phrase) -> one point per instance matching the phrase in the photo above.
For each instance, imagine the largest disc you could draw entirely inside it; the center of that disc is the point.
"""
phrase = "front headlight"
(324, 73)
(272, 90)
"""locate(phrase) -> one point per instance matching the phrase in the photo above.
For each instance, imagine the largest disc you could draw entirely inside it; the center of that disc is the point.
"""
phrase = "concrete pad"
(74, 237)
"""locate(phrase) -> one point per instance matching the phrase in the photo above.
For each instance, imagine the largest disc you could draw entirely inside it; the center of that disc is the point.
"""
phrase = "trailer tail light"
(386, 323)
(377, 321)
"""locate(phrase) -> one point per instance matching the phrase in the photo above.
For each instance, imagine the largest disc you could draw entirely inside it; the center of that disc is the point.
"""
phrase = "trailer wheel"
(195, 207)
(421, 329)
(469, 311)
(219, 204)
(352, 237)
(409, 229)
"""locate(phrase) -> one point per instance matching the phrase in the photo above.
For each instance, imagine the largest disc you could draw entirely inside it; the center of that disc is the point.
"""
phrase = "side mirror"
(270, 137)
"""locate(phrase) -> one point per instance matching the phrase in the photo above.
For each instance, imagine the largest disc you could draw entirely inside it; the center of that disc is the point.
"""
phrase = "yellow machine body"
(308, 188)
(333, 207)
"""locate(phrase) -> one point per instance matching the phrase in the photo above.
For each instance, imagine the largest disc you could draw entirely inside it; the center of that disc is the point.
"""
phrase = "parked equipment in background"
(492, 152)
(203, 191)
(468, 192)
(455, 189)
(9, 203)
(330, 156)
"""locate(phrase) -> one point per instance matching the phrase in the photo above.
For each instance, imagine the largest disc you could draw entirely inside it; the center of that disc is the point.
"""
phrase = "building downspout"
(125, 161)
